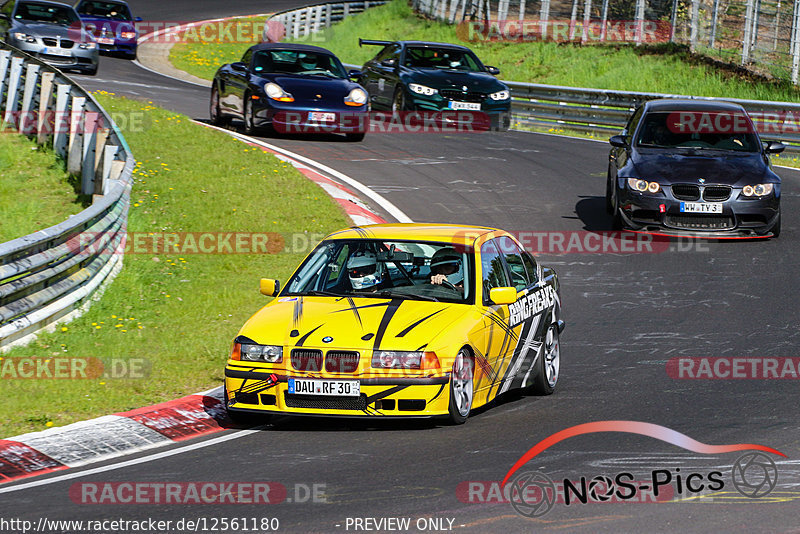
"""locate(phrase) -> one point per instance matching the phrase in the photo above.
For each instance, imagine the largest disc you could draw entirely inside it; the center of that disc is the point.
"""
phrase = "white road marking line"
(128, 463)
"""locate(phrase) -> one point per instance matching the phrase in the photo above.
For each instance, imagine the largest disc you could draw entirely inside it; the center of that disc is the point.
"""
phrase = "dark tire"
(399, 100)
(776, 230)
(249, 117)
(92, 71)
(356, 137)
(547, 368)
(214, 112)
(616, 218)
(461, 388)
(609, 199)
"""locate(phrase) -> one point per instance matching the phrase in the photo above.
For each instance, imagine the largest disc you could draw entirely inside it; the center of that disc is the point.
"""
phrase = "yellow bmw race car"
(400, 320)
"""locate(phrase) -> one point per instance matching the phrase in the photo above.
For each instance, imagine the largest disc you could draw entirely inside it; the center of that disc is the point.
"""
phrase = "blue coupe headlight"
(276, 92)
(357, 97)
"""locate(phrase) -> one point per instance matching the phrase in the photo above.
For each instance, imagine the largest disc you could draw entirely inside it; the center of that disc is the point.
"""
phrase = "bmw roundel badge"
(327, 339)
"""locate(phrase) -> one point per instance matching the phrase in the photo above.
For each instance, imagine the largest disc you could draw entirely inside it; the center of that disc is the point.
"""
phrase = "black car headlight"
(357, 97)
(505, 94)
(262, 353)
(758, 190)
(643, 185)
(422, 89)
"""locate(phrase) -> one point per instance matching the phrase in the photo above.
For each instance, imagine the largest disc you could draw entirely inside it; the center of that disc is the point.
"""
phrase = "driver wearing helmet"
(446, 266)
(365, 272)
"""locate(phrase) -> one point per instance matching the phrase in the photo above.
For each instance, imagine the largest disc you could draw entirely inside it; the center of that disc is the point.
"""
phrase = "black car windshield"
(441, 58)
(375, 268)
(709, 130)
(106, 10)
(298, 62)
(48, 13)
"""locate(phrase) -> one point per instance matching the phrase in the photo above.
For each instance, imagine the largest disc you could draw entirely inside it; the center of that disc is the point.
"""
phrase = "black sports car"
(693, 167)
(290, 88)
(425, 76)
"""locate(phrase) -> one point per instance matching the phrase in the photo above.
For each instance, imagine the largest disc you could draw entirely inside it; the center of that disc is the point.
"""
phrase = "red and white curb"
(111, 436)
(203, 413)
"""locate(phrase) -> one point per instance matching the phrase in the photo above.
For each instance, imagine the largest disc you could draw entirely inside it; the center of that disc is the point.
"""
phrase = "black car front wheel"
(355, 137)
(249, 116)
(399, 100)
(214, 112)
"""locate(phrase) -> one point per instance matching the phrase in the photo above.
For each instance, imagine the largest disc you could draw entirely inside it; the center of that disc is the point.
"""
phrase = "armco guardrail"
(52, 274)
(308, 20)
(607, 111)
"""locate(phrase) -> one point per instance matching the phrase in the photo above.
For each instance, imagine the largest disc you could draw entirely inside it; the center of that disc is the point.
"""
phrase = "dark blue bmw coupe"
(290, 88)
(691, 167)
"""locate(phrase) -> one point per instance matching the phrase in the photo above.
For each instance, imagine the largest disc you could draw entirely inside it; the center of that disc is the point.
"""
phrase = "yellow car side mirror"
(270, 287)
(503, 295)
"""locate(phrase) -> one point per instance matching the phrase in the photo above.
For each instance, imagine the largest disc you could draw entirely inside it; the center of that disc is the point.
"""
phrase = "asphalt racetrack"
(628, 312)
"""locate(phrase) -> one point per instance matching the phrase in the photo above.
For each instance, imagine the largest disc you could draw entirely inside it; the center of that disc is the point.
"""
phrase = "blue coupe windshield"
(298, 62)
(386, 269)
(699, 130)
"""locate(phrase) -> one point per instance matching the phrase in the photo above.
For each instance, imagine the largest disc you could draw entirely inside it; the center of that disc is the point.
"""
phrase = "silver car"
(50, 31)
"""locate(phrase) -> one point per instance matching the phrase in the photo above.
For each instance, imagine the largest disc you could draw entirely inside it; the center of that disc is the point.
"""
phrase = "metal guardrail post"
(74, 144)
(587, 17)
(639, 22)
(748, 29)
(714, 18)
(573, 19)
(695, 21)
(88, 150)
(544, 17)
(604, 21)
(12, 100)
(46, 111)
(61, 120)
(795, 45)
(26, 122)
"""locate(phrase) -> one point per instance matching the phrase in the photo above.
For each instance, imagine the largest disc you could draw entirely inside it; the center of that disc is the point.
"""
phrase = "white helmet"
(364, 270)
(448, 256)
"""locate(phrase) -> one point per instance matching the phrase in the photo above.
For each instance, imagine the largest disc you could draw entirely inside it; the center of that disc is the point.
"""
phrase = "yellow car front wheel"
(461, 388)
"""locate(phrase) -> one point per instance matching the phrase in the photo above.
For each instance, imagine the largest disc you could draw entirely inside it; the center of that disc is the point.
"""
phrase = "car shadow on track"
(592, 212)
(288, 423)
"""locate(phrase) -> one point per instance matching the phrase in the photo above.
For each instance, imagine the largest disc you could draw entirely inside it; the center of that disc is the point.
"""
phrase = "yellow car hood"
(352, 323)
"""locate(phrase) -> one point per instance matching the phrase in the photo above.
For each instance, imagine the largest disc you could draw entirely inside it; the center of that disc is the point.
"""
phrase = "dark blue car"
(112, 25)
(693, 167)
(290, 88)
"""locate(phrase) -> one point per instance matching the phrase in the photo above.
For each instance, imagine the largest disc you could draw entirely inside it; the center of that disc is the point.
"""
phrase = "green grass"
(179, 313)
(35, 192)
(204, 58)
(659, 68)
